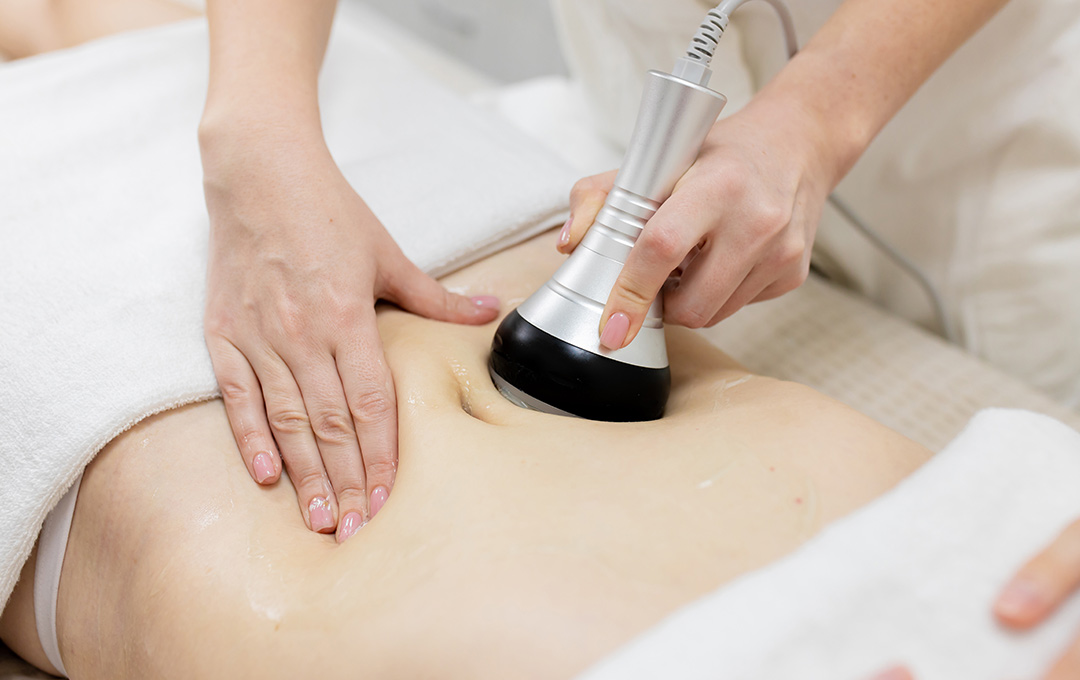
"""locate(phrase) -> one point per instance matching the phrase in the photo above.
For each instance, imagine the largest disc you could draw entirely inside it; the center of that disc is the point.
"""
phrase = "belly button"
(471, 398)
(461, 377)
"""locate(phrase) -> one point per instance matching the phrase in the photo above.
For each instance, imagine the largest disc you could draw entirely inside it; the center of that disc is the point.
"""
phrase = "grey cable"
(786, 23)
(703, 44)
(904, 263)
(701, 50)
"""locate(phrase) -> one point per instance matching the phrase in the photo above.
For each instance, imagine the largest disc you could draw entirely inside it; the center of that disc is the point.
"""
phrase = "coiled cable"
(703, 44)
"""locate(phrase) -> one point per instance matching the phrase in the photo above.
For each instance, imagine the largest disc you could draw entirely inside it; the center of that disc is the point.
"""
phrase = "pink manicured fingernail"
(378, 499)
(321, 517)
(615, 331)
(1019, 599)
(263, 467)
(485, 301)
(350, 524)
(564, 235)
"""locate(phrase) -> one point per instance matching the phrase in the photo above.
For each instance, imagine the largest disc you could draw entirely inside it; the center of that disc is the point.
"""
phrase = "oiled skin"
(515, 544)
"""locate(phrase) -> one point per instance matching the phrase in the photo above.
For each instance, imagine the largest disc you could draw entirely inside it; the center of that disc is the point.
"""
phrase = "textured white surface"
(102, 264)
(909, 578)
(897, 373)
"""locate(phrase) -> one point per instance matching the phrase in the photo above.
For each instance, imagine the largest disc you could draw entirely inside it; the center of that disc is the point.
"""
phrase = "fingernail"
(618, 325)
(564, 235)
(350, 524)
(263, 467)
(485, 301)
(378, 499)
(319, 511)
(894, 674)
(1019, 599)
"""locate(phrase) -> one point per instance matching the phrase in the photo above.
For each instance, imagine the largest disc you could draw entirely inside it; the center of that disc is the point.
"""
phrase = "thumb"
(413, 290)
(659, 250)
(586, 199)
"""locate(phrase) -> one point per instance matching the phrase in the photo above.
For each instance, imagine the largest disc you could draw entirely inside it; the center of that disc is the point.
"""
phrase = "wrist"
(242, 138)
(226, 118)
(818, 100)
(247, 103)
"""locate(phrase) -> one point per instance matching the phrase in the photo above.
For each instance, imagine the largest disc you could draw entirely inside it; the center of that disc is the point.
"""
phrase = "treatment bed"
(821, 335)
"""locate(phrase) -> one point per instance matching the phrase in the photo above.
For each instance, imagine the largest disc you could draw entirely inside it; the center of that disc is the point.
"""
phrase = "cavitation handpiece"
(546, 354)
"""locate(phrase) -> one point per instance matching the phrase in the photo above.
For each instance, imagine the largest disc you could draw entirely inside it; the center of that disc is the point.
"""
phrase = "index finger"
(369, 391)
(659, 250)
(1043, 583)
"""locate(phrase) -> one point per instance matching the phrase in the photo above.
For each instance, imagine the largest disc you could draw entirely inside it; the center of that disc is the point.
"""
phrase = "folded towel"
(103, 256)
(910, 578)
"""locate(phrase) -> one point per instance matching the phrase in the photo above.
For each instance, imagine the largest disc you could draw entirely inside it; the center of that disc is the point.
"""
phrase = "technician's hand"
(297, 262)
(1039, 588)
(738, 227)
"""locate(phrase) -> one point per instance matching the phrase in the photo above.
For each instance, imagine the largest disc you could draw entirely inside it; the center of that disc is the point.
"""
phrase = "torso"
(514, 544)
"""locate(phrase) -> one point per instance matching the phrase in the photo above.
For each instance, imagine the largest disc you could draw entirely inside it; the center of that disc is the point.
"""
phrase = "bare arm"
(297, 262)
(868, 60)
(754, 197)
(265, 57)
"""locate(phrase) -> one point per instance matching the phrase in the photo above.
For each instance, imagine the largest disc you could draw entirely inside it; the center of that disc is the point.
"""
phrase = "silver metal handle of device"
(674, 118)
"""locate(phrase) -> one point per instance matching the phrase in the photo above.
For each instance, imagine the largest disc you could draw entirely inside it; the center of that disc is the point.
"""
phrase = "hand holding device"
(738, 227)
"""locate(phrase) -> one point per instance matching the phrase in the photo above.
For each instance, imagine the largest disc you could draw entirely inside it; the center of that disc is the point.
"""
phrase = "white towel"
(103, 248)
(910, 578)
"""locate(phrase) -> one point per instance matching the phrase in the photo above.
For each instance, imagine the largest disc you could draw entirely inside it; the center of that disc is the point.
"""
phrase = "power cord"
(694, 67)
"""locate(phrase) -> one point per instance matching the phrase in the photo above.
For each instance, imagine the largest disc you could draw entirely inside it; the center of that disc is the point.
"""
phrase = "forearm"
(866, 62)
(265, 57)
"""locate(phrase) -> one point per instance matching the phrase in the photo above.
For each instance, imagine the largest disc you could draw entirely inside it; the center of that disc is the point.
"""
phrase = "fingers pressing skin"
(411, 289)
(586, 199)
(369, 390)
(297, 262)
(292, 427)
(244, 405)
(1043, 583)
(333, 428)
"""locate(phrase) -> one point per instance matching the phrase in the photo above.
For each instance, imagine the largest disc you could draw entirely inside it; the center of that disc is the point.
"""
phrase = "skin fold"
(516, 544)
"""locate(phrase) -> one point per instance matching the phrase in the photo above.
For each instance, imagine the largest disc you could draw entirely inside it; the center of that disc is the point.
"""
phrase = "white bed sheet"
(103, 264)
(770, 340)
